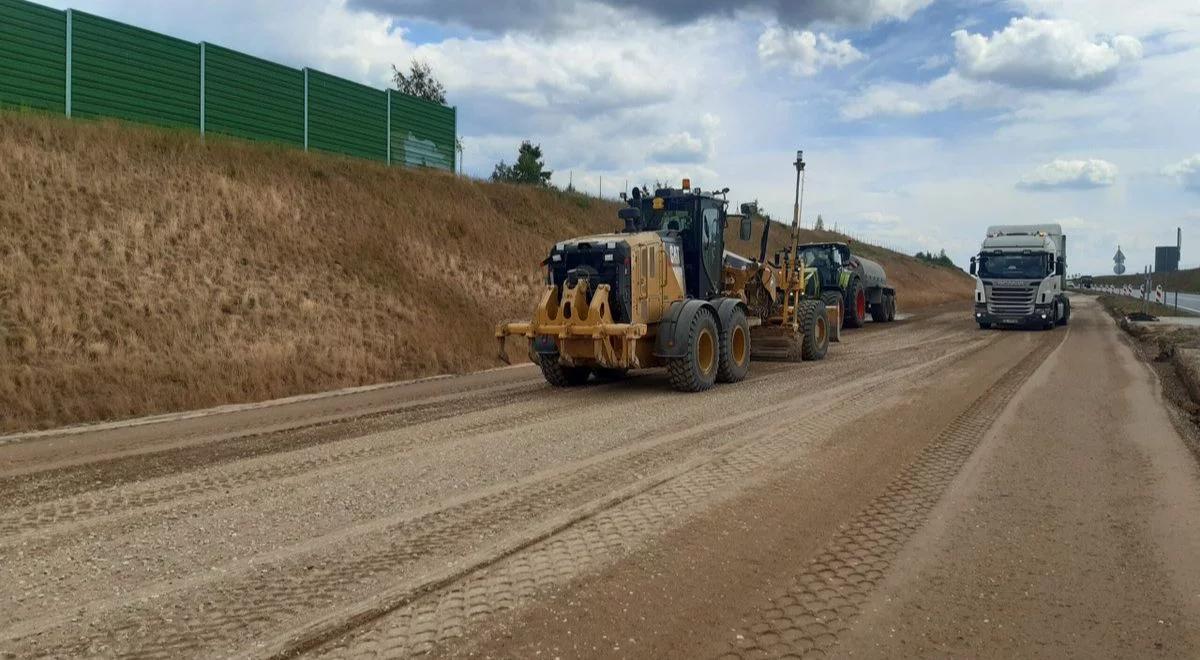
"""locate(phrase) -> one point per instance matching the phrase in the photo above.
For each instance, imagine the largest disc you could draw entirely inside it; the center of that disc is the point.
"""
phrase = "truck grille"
(1011, 301)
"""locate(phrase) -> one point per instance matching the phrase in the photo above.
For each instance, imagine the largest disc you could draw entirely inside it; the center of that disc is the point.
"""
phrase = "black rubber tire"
(735, 339)
(879, 311)
(1066, 316)
(610, 375)
(560, 375)
(891, 308)
(687, 373)
(831, 298)
(814, 330)
(985, 326)
(855, 319)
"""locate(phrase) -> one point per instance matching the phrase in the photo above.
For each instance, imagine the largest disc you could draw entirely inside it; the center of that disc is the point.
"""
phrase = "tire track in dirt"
(61, 516)
(825, 597)
(427, 620)
(139, 535)
(273, 594)
(60, 483)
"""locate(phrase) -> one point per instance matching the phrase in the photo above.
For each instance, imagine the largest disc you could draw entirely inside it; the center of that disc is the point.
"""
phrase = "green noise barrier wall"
(88, 66)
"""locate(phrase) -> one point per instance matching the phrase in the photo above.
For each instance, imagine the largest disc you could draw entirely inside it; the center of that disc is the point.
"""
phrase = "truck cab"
(1020, 277)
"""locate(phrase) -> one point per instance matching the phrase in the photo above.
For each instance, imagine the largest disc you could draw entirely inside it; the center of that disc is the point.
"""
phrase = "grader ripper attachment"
(664, 293)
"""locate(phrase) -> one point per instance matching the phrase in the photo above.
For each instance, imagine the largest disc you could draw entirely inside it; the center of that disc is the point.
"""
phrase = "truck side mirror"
(1060, 266)
(747, 228)
(974, 266)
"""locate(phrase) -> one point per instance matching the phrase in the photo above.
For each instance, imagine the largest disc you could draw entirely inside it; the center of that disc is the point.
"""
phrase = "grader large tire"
(560, 375)
(814, 330)
(697, 370)
(856, 304)
(735, 349)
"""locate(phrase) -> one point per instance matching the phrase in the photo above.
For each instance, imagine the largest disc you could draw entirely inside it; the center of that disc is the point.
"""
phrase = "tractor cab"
(829, 260)
(690, 219)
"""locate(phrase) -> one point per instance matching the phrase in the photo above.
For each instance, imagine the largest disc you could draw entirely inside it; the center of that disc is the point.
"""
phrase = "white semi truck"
(1020, 277)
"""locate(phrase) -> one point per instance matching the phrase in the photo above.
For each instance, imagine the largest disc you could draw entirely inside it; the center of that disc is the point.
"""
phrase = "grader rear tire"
(814, 330)
(697, 370)
(735, 349)
(560, 375)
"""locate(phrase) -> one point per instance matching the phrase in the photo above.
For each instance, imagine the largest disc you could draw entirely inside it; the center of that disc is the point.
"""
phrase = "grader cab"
(662, 292)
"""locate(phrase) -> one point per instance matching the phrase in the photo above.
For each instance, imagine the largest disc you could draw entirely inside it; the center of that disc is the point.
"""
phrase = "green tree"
(529, 169)
(419, 82)
(820, 226)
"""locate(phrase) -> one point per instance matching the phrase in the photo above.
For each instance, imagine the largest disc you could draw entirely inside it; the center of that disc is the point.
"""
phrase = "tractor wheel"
(735, 349)
(856, 304)
(891, 308)
(697, 370)
(832, 298)
(814, 330)
(560, 375)
(610, 375)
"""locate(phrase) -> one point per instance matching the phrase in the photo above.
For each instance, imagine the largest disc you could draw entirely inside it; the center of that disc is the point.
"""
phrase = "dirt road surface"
(918, 493)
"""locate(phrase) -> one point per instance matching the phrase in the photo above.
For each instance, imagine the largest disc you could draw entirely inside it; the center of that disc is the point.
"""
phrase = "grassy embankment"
(142, 271)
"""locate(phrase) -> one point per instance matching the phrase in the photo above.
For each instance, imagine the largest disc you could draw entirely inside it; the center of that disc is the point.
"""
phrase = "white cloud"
(803, 52)
(1043, 53)
(1186, 172)
(934, 62)
(892, 99)
(1076, 174)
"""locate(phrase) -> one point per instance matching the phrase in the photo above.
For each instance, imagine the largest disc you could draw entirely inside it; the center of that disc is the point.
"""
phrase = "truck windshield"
(1013, 266)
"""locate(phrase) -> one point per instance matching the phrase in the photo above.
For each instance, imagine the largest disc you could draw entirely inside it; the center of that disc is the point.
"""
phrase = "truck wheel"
(1066, 313)
(879, 312)
(856, 304)
(696, 371)
(560, 375)
(735, 349)
(985, 326)
(814, 330)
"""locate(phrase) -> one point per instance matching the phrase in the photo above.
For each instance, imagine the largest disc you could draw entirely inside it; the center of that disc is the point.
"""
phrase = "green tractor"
(859, 285)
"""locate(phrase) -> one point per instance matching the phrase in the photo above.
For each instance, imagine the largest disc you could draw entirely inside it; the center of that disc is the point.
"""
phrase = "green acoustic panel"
(423, 132)
(129, 73)
(33, 60)
(252, 98)
(345, 117)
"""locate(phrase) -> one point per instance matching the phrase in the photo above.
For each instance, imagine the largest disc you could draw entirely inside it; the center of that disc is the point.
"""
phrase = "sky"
(922, 121)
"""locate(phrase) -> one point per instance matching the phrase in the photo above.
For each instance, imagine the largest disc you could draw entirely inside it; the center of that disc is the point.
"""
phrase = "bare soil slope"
(142, 271)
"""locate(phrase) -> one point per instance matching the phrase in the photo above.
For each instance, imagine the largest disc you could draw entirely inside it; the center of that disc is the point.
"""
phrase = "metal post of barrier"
(202, 108)
(70, 45)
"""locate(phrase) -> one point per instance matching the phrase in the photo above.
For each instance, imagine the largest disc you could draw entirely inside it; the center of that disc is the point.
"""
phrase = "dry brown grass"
(142, 271)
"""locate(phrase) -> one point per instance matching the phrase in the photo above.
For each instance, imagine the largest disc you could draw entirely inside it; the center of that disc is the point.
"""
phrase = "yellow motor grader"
(663, 292)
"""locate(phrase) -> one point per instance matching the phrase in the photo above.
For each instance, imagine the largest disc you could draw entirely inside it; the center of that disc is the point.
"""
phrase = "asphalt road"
(1188, 301)
(846, 507)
